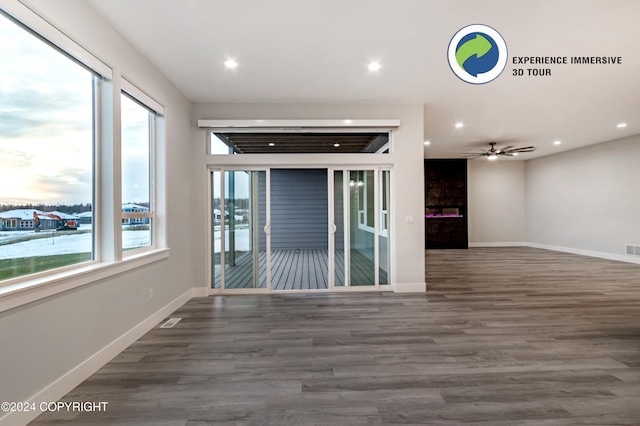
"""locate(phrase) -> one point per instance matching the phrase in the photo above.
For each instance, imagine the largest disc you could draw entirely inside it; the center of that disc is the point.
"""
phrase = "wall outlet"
(151, 293)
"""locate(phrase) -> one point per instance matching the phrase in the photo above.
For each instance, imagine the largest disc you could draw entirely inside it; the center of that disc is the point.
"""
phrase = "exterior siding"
(299, 209)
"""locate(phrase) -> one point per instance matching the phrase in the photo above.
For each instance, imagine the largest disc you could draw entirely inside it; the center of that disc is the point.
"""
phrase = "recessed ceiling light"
(348, 121)
(621, 125)
(427, 142)
(514, 154)
(557, 142)
(374, 66)
(336, 145)
(459, 125)
(272, 144)
(230, 63)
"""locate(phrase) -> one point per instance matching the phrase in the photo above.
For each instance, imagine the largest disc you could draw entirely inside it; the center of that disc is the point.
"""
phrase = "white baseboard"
(66, 383)
(419, 287)
(499, 244)
(200, 292)
(591, 253)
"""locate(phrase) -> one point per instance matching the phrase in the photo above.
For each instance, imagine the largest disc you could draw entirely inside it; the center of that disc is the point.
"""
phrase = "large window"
(60, 207)
(46, 156)
(137, 199)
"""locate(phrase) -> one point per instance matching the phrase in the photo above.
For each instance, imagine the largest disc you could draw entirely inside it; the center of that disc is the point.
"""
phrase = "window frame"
(106, 218)
(154, 110)
(363, 208)
(68, 49)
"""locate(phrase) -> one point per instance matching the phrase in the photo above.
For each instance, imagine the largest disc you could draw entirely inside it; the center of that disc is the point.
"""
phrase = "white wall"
(586, 200)
(44, 340)
(496, 202)
(407, 160)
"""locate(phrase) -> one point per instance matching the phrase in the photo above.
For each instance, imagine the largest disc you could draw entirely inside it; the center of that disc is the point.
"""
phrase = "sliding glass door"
(361, 218)
(300, 229)
(239, 240)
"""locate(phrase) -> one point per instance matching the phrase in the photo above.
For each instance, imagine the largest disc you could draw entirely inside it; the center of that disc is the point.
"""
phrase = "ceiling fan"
(493, 152)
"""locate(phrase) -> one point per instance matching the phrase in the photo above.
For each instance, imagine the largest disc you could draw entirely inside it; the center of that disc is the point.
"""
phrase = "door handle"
(334, 228)
(267, 229)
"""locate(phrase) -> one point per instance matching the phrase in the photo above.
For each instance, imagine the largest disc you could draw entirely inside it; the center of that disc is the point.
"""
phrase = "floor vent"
(170, 323)
(633, 250)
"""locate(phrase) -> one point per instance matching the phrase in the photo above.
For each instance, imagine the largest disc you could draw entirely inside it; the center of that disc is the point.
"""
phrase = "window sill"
(14, 295)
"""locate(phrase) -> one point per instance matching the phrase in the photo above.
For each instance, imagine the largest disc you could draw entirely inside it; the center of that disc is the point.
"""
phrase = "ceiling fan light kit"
(492, 153)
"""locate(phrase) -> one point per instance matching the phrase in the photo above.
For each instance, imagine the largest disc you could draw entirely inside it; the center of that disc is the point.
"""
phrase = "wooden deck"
(300, 270)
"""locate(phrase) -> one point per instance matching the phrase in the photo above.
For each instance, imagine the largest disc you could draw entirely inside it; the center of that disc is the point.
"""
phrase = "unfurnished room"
(302, 213)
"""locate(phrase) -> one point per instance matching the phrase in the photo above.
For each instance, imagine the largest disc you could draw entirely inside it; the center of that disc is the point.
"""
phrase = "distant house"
(19, 219)
(25, 219)
(85, 218)
(134, 208)
(9, 222)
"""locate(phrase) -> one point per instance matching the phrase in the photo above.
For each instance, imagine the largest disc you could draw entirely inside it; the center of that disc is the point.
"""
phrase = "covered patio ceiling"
(304, 143)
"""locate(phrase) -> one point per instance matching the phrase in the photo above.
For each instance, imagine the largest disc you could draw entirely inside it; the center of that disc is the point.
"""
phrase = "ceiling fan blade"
(506, 148)
(524, 149)
(472, 156)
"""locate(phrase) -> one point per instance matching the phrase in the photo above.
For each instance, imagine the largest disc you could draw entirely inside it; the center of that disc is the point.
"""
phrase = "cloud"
(14, 159)
(46, 126)
(26, 112)
(68, 186)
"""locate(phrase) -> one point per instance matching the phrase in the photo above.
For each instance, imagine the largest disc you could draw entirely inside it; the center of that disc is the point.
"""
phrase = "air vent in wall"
(633, 250)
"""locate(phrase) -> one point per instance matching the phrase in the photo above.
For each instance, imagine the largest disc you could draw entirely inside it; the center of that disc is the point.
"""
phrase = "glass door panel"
(245, 244)
(299, 230)
(384, 233)
(361, 214)
(239, 245)
(340, 241)
(361, 220)
(216, 233)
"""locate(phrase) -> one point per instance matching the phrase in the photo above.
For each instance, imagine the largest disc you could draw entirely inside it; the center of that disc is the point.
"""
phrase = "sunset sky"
(46, 127)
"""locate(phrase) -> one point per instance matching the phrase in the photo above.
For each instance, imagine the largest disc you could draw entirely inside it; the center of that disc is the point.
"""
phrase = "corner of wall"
(417, 287)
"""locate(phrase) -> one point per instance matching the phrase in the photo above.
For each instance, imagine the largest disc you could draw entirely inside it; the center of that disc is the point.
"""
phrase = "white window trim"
(156, 134)
(31, 20)
(383, 229)
(383, 220)
(29, 288)
(254, 126)
(141, 96)
(363, 210)
(41, 285)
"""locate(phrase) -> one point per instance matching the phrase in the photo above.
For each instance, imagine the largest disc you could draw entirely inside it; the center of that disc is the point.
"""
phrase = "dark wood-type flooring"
(516, 336)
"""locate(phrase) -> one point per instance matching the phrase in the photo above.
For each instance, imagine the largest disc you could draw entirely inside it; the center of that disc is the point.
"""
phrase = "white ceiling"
(317, 52)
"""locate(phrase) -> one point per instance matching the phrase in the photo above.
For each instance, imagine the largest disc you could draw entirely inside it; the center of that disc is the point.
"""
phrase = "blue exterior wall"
(299, 209)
